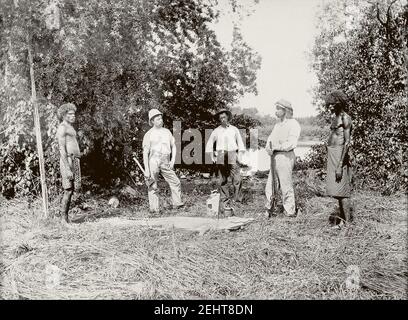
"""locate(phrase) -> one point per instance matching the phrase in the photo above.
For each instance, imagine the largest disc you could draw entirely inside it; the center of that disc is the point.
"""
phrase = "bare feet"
(338, 226)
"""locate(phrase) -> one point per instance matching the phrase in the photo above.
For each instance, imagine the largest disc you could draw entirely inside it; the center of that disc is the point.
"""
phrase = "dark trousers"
(227, 165)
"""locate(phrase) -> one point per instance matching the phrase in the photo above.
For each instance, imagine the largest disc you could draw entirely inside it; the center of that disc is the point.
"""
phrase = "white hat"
(284, 104)
(152, 114)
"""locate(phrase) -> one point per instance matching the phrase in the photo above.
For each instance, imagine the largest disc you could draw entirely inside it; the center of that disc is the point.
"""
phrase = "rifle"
(149, 181)
(273, 182)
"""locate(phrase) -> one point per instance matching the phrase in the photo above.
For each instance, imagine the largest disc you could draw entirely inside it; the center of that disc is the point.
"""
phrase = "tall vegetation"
(362, 50)
(115, 61)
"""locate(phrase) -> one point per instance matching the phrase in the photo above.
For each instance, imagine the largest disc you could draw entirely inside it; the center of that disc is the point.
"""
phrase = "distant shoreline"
(308, 143)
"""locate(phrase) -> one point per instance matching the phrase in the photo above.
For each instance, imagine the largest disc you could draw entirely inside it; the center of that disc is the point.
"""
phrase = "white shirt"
(226, 138)
(158, 140)
(284, 136)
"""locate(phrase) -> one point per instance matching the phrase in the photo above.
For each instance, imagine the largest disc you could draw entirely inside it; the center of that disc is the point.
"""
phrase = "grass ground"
(282, 258)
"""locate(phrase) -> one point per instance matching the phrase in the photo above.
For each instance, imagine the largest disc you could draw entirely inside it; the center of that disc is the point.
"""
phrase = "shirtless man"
(69, 155)
(338, 183)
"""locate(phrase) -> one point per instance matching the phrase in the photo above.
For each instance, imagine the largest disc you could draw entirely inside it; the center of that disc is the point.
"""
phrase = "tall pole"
(37, 130)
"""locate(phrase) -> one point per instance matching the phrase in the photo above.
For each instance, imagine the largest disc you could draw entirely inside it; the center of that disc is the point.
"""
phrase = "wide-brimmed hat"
(152, 114)
(284, 104)
(229, 114)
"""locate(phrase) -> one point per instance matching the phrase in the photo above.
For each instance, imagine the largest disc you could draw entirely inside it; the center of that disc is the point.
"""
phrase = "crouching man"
(159, 156)
(69, 155)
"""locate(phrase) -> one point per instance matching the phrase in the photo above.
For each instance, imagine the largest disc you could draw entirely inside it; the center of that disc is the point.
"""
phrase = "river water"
(259, 160)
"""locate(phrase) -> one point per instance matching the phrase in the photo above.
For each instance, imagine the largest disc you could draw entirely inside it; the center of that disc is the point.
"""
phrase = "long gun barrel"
(273, 182)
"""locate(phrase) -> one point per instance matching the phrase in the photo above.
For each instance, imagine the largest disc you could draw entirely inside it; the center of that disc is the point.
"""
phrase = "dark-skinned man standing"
(338, 183)
(69, 155)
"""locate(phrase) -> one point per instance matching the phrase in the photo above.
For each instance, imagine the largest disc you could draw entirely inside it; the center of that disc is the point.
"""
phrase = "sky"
(282, 32)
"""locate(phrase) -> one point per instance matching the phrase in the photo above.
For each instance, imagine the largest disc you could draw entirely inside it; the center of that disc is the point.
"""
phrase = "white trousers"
(284, 163)
(161, 165)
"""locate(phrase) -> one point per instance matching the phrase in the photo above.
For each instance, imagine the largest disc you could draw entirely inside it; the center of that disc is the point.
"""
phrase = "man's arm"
(209, 147)
(173, 151)
(240, 142)
(291, 143)
(268, 143)
(146, 149)
(62, 143)
(347, 126)
(146, 162)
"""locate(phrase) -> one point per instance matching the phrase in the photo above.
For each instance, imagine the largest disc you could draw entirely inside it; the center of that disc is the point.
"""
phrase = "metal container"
(213, 204)
(229, 212)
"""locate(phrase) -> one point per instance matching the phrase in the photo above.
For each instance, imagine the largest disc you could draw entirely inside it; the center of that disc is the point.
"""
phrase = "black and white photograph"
(217, 151)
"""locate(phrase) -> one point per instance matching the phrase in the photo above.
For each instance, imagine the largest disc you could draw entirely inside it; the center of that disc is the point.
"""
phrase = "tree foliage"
(115, 61)
(362, 50)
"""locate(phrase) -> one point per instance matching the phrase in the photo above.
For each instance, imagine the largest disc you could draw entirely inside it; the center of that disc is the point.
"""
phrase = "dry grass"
(283, 258)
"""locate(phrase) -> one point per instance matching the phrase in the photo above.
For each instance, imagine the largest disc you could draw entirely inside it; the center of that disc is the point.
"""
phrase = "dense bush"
(114, 61)
(316, 158)
(362, 50)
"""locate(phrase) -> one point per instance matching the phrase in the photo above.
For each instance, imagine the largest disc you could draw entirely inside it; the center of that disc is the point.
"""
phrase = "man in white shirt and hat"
(280, 146)
(159, 156)
(229, 147)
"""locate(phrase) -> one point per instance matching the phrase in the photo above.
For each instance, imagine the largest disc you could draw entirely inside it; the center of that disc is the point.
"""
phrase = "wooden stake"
(37, 130)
